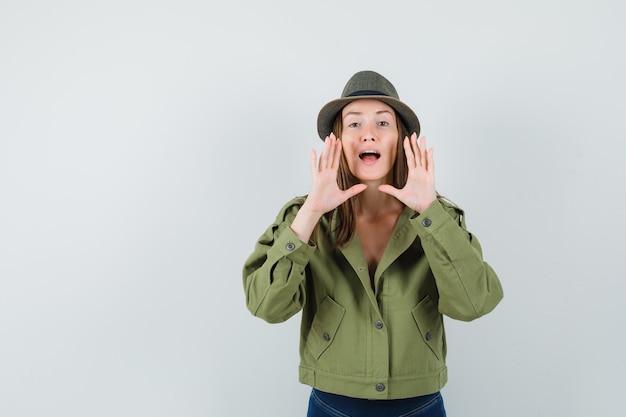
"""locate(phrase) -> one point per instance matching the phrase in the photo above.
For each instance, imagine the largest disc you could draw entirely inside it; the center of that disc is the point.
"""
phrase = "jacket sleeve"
(468, 287)
(273, 275)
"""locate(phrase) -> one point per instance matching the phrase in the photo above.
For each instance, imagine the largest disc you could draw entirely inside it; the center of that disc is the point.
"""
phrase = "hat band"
(367, 93)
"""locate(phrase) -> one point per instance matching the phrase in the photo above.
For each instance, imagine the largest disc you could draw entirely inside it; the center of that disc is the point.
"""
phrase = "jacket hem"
(388, 388)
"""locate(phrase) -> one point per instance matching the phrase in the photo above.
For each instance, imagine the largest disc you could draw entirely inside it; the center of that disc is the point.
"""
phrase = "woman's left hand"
(419, 191)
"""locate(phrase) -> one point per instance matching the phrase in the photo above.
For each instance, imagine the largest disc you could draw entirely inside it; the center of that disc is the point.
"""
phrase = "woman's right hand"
(325, 194)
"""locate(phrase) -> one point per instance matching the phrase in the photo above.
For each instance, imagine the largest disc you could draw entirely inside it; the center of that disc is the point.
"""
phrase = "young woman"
(373, 258)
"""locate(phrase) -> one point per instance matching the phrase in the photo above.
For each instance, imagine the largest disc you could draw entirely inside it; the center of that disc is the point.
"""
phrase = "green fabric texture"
(380, 341)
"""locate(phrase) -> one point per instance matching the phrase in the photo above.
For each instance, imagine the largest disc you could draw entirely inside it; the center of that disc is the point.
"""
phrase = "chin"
(373, 175)
(376, 179)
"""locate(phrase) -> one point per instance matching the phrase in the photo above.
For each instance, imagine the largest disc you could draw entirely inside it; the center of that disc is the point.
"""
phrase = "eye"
(353, 124)
(383, 123)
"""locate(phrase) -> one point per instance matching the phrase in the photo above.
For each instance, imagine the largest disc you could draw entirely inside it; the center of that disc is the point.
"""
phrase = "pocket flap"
(430, 324)
(324, 327)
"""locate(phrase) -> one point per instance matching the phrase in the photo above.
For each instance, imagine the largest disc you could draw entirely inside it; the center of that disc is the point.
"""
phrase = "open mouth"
(369, 155)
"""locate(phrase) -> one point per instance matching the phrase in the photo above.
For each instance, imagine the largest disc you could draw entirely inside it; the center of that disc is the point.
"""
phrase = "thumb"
(355, 189)
(389, 189)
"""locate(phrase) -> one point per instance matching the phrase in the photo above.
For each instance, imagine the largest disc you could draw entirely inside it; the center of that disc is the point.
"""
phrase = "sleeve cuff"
(429, 221)
(290, 246)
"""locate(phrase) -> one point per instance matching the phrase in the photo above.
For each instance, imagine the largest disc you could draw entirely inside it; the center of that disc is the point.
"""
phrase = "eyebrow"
(358, 113)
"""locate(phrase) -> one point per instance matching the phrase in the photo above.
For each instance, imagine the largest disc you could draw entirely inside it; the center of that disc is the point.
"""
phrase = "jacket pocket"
(324, 327)
(430, 324)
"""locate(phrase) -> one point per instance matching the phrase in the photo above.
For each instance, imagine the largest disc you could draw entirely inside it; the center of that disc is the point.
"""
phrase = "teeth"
(368, 152)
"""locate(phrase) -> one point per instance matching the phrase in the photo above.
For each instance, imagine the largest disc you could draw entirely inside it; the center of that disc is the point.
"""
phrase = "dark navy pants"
(323, 404)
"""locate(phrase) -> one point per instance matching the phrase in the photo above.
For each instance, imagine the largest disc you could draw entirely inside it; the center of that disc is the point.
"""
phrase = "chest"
(374, 237)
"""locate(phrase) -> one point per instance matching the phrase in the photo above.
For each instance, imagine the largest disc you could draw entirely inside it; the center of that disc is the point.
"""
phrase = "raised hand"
(325, 194)
(419, 191)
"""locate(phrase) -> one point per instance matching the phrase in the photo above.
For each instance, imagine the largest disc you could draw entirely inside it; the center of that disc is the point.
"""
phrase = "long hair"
(346, 212)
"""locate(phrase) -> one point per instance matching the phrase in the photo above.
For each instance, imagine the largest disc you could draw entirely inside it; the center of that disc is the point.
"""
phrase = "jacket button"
(428, 336)
(290, 246)
(380, 387)
(326, 336)
(427, 222)
(379, 324)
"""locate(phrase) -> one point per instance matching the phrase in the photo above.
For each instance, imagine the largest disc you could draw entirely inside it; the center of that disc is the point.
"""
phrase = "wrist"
(424, 206)
(304, 223)
(310, 212)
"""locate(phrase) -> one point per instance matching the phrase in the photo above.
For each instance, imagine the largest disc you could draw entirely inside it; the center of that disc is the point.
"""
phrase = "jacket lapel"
(402, 238)
(353, 252)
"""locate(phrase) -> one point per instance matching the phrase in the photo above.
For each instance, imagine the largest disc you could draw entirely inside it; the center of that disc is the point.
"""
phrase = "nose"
(368, 134)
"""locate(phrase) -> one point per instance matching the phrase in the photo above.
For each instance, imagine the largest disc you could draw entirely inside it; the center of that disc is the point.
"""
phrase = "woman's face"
(369, 137)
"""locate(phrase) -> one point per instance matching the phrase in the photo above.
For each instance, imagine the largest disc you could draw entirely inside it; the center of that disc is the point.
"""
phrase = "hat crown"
(362, 85)
(369, 83)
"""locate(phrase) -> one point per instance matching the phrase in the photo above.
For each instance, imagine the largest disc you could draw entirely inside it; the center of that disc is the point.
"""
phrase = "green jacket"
(354, 341)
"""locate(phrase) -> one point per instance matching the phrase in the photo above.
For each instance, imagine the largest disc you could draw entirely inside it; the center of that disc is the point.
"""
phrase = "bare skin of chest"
(374, 234)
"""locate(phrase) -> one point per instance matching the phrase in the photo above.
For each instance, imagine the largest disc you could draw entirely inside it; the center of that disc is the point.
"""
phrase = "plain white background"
(145, 145)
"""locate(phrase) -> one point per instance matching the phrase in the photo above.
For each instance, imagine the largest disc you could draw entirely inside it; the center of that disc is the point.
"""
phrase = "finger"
(354, 190)
(408, 152)
(325, 151)
(313, 163)
(331, 152)
(431, 161)
(427, 154)
(421, 148)
(336, 155)
(389, 189)
(414, 149)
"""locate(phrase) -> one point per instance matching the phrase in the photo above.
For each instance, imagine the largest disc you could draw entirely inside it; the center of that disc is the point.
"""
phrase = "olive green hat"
(366, 84)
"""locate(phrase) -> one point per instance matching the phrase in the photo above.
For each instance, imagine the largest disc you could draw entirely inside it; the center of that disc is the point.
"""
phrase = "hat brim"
(328, 113)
